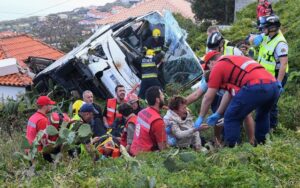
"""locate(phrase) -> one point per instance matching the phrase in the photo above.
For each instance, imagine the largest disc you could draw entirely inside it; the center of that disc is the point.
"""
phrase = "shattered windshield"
(180, 65)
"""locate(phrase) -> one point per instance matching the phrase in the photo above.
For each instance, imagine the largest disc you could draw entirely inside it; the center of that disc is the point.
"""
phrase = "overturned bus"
(112, 56)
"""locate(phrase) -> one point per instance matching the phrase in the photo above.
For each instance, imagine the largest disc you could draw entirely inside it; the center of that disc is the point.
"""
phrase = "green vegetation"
(275, 164)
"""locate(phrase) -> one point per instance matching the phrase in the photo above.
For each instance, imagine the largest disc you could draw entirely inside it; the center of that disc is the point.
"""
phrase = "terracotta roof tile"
(178, 6)
(23, 46)
(17, 79)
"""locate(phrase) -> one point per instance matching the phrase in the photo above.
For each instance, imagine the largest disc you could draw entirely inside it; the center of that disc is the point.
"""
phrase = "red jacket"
(142, 141)
(233, 72)
(111, 111)
(37, 122)
(132, 119)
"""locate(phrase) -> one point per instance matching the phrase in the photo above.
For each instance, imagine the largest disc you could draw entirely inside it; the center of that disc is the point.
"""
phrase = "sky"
(14, 9)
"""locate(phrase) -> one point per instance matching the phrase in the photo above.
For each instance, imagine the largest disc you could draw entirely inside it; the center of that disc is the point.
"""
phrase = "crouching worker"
(131, 119)
(182, 124)
(250, 87)
(150, 134)
(86, 114)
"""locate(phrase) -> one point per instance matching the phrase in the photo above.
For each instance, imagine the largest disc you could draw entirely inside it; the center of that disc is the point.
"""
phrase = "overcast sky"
(13, 9)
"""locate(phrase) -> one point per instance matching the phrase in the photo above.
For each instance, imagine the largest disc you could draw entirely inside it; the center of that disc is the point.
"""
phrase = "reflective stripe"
(143, 123)
(111, 109)
(31, 124)
(150, 75)
(246, 64)
(148, 65)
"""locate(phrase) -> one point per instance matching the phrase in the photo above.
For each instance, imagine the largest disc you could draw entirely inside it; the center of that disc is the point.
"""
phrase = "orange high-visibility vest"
(111, 111)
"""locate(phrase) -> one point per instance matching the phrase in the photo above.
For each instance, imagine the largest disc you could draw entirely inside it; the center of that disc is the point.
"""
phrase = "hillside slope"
(275, 164)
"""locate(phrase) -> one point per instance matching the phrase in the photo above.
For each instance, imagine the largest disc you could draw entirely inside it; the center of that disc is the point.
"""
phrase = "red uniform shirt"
(222, 70)
(37, 122)
(158, 132)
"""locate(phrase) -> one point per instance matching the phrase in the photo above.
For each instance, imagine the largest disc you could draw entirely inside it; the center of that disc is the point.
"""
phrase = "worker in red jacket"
(39, 120)
(150, 134)
(250, 87)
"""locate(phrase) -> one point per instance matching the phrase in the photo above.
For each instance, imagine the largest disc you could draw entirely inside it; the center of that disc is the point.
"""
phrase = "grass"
(277, 163)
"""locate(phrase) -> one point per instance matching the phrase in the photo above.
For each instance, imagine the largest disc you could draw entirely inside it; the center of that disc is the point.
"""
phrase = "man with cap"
(249, 86)
(87, 113)
(39, 120)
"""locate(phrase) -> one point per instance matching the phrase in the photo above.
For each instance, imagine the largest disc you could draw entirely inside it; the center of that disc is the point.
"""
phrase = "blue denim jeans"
(259, 97)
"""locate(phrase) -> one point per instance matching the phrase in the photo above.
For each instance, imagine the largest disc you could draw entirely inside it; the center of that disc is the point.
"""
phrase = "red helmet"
(208, 57)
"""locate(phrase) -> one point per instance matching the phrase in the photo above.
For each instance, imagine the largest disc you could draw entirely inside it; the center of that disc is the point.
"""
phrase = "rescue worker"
(99, 129)
(149, 73)
(273, 55)
(111, 113)
(75, 109)
(217, 42)
(249, 87)
(133, 101)
(150, 134)
(212, 29)
(86, 114)
(39, 121)
(247, 50)
(156, 42)
(131, 119)
(56, 120)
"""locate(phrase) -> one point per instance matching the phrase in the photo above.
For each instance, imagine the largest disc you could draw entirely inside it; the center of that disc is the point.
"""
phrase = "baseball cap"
(208, 57)
(44, 100)
(88, 108)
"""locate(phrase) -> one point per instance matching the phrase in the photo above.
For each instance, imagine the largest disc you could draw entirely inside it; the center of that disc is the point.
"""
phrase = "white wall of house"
(10, 92)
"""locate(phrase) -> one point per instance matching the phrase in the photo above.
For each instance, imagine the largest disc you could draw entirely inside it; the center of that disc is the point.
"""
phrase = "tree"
(220, 10)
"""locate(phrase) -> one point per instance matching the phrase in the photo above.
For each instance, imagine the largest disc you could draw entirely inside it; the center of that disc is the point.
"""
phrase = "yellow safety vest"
(228, 50)
(266, 53)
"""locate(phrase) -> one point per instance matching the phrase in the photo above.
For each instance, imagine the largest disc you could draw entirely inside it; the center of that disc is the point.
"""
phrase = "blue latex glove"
(257, 40)
(281, 90)
(203, 84)
(168, 129)
(213, 119)
(171, 140)
(198, 122)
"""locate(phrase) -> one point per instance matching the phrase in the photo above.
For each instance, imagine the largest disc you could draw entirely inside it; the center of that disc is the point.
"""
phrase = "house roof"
(17, 79)
(178, 6)
(21, 47)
